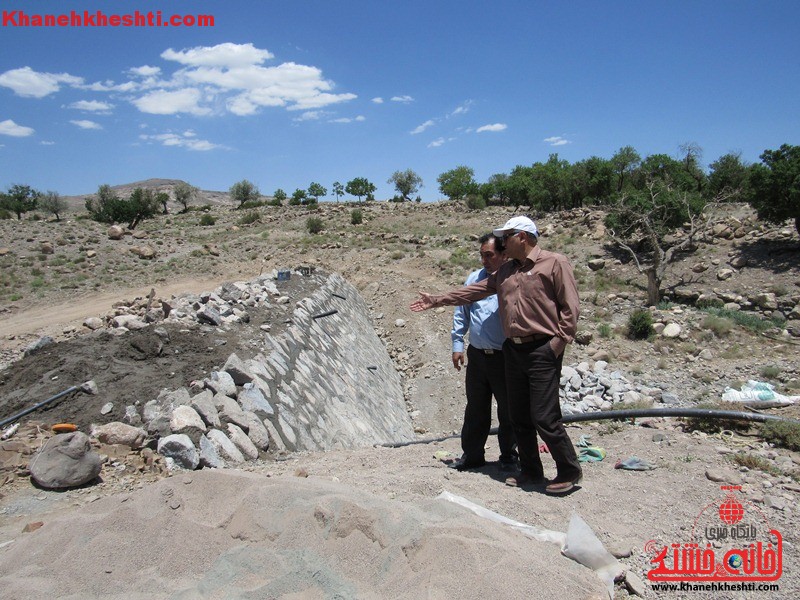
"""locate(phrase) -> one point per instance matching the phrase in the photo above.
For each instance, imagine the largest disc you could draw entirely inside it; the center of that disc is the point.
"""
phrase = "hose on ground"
(704, 413)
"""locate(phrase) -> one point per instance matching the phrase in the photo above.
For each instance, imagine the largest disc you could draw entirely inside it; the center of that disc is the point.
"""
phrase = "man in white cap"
(539, 308)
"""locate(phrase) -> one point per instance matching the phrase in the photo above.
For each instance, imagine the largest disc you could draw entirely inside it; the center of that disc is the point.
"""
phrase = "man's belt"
(531, 338)
(487, 350)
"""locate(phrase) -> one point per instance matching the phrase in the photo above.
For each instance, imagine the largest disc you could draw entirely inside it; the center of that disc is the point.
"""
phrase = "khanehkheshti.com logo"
(731, 540)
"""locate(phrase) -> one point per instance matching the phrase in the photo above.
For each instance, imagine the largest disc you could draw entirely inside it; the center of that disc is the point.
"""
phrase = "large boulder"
(66, 461)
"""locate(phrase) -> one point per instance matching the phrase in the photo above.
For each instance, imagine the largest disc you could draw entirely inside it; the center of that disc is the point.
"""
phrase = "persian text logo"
(731, 540)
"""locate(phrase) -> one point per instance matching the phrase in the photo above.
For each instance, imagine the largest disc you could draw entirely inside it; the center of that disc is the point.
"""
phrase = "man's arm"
(566, 290)
(458, 297)
(461, 320)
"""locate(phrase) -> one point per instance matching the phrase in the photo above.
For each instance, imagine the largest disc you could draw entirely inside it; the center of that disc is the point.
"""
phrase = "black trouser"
(532, 378)
(485, 376)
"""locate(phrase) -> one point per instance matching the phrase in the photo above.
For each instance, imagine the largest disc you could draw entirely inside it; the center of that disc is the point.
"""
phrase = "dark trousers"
(532, 378)
(485, 377)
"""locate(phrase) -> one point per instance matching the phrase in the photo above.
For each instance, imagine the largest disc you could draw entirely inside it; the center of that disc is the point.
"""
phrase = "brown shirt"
(538, 296)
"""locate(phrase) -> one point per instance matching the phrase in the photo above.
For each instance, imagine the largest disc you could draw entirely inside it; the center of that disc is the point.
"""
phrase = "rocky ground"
(57, 275)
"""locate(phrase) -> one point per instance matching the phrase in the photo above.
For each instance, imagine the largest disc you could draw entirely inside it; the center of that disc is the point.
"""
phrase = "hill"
(55, 275)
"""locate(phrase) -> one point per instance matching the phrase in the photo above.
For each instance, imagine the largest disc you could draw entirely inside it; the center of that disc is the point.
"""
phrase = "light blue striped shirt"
(481, 319)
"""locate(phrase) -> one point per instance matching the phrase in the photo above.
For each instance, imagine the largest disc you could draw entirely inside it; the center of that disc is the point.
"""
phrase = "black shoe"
(464, 464)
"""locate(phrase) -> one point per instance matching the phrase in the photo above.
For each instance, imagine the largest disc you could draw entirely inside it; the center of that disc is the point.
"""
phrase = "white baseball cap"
(517, 224)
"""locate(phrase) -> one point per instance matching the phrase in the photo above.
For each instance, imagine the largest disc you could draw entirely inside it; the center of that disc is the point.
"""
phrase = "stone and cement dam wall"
(325, 382)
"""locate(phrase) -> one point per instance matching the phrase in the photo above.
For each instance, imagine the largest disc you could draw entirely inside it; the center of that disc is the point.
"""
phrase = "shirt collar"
(531, 256)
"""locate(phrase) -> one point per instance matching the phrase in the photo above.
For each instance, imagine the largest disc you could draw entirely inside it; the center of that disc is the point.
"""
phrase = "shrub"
(5, 214)
(746, 319)
(753, 461)
(604, 330)
(640, 324)
(712, 424)
(719, 325)
(314, 224)
(207, 220)
(709, 303)
(249, 218)
(475, 202)
(782, 433)
(253, 204)
(770, 371)
(357, 216)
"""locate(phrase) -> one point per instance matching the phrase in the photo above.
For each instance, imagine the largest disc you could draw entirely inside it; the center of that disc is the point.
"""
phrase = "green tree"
(624, 163)
(185, 194)
(280, 195)
(729, 176)
(316, 191)
(53, 204)
(243, 191)
(406, 183)
(495, 190)
(593, 180)
(457, 183)
(163, 198)
(105, 206)
(142, 204)
(360, 186)
(298, 196)
(640, 222)
(664, 168)
(338, 190)
(692, 155)
(776, 185)
(20, 199)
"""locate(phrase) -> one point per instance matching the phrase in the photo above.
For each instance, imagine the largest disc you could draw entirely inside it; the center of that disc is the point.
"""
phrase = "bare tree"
(640, 223)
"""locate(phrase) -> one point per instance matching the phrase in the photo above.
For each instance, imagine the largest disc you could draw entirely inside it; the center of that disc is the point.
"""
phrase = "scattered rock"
(120, 433)
(724, 476)
(42, 342)
(180, 449)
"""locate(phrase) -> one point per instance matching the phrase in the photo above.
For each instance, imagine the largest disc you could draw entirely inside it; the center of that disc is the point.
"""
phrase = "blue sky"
(286, 93)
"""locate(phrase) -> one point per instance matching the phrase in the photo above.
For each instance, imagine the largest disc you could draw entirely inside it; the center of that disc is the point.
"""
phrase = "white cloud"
(31, 84)
(84, 124)
(298, 87)
(187, 139)
(227, 55)
(8, 127)
(378, 100)
(492, 127)
(423, 127)
(144, 71)
(556, 141)
(357, 119)
(436, 143)
(47, 143)
(464, 108)
(162, 102)
(403, 99)
(91, 106)
(110, 86)
(311, 115)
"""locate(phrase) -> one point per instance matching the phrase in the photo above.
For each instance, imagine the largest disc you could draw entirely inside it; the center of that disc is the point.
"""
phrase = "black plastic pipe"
(633, 413)
(37, 406)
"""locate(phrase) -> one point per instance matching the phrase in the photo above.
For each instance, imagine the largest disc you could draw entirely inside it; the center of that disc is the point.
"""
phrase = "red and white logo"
(731, 540)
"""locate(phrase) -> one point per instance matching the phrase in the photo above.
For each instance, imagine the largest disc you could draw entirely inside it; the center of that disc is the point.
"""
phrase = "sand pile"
(231, 534)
